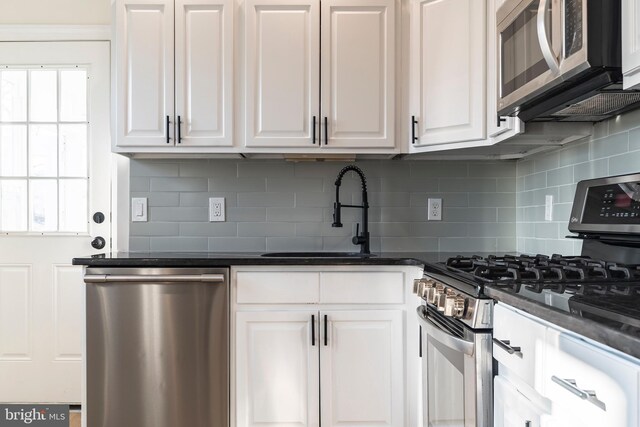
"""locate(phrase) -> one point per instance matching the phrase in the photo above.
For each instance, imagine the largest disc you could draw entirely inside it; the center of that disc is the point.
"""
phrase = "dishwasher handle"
(152, 278)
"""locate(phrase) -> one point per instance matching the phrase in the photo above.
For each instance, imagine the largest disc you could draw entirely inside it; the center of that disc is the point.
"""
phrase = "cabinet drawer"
(575, 367)
(518, 331)
(269, 287)
(362, 288)
(512, 408)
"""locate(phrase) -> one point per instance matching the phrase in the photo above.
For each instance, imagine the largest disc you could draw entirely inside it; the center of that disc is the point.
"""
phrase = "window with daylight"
(44, 132)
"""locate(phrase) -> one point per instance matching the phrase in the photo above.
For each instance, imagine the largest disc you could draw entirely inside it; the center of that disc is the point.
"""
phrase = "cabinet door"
(277, 369)
(204, 72)
(144, 72)
(362, 368)
(448, 44)
(358, 64)
(575, 367)
(631, 43)
(282, 72)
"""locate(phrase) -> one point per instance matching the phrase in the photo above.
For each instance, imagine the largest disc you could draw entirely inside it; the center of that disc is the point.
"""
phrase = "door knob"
(98, 217)
(98, 243)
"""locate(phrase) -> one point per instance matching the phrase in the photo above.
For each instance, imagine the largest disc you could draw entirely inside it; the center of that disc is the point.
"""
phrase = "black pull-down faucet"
(363, 238)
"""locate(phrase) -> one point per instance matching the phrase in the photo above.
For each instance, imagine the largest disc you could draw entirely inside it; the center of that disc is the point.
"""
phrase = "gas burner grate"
(557, 273)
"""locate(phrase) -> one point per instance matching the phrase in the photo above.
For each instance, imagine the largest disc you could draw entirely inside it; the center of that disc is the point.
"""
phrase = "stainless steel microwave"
(560, 60)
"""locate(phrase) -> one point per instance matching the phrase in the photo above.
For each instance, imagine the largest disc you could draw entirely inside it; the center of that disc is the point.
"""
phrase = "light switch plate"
(548, 207)
(139, 209)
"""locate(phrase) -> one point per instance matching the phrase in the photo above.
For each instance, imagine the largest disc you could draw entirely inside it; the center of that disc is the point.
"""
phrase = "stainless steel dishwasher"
(157, 347)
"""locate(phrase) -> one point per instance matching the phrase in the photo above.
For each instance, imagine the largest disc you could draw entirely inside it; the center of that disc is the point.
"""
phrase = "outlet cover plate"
(216, 209)
(434, 209)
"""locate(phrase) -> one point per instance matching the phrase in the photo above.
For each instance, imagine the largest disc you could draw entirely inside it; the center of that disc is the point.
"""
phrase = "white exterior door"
(358, 64)
(277, 369)
(144, 107)
(204, 72)
(448, 69)
(362, 368)
(54, 175)
(282, 69)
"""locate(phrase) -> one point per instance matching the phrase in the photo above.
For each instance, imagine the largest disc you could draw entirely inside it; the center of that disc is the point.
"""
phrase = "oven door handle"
(432, 328)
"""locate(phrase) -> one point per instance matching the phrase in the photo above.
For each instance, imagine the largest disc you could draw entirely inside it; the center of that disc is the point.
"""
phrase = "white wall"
(45, 12)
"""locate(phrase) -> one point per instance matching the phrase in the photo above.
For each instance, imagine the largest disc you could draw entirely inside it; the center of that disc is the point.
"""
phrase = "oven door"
(529, 46)
(456, 373)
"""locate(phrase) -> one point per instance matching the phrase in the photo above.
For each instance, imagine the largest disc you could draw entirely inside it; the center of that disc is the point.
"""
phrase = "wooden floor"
(74, 419)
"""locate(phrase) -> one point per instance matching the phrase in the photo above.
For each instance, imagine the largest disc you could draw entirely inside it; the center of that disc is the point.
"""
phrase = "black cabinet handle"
(420, 342)
(313, 131)
(326, 132)
(168, 137)
(313, 330)
(326, 339)
(414, 123)
(500, 120)
(179, 136)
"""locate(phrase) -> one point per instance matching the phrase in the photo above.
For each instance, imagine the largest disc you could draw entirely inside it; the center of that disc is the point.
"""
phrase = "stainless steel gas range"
(602, 285)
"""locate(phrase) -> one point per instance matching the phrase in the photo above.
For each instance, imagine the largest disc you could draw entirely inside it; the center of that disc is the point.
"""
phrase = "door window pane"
(73, 202)
(43, 150)
(73, 150)
(43, 96)
(44, 144)
(73, 96)
(13, 150)
(13, 205)
(43, 204)
(13, 95)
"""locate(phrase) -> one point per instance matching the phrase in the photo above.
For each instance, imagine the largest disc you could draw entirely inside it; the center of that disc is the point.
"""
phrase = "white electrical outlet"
(216, 209)
(434, 209)
(548, 207)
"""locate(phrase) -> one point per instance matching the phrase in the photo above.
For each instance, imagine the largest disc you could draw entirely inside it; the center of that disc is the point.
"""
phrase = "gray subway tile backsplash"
(278, 205)
(283, 206)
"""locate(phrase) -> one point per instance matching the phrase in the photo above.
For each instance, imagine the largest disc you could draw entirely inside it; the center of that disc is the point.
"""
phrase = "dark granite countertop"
(614, 338)
(218, 259)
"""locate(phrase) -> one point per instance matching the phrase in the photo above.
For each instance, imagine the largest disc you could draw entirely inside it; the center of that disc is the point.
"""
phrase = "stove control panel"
(474, 312)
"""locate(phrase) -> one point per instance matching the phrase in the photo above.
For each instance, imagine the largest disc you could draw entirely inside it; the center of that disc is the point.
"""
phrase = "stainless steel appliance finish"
(157, 347)
(560, 60)
(455, 323)
(457, 379)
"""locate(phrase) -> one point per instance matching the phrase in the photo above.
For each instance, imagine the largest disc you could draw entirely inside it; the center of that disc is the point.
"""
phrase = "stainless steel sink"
(316, 255)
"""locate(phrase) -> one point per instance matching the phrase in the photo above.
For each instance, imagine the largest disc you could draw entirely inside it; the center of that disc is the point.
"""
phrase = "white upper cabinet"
(282, 73)
(157, 40)
(631, 43)
(144, 72)
(358, 73)
(448, 71)
(298, 95)
(204, 71)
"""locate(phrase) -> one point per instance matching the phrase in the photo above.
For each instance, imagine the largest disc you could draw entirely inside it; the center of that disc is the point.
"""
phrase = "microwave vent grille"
(602, 104)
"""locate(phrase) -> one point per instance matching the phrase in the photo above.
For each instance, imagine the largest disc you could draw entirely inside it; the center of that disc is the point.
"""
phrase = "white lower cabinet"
(361, 368)
(512, 408)
(277, 380)
(330, 354)
(574, 383)
(588, 386)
